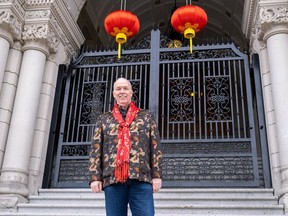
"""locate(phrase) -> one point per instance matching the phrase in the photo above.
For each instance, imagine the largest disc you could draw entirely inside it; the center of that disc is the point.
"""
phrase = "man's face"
(122, 92)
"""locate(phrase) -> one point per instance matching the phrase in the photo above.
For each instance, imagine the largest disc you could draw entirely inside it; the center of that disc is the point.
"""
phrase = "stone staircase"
(168, 202)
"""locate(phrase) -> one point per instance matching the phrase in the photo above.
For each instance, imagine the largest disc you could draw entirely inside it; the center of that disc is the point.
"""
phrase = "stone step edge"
(76, 214)
(158, 198)
(196, 206)
(173, 190)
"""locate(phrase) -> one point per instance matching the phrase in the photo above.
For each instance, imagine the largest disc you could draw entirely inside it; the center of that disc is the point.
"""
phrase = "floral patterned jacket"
(145, 155)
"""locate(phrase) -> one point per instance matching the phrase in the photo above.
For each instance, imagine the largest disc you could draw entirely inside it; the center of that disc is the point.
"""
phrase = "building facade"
(36, 37)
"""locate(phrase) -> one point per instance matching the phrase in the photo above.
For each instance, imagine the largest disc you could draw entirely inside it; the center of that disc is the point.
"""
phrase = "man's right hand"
(96, 186)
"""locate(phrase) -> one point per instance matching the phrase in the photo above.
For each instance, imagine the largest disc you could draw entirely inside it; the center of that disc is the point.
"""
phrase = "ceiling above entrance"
(224, 19)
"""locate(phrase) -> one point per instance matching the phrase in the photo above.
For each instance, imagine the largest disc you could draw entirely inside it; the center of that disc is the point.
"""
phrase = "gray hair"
(123, 79)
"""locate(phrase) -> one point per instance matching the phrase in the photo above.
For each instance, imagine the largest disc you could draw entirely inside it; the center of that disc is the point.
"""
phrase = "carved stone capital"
(10, 25)
(272, 20)
(40, 37)
(266, 18)
(35, 32)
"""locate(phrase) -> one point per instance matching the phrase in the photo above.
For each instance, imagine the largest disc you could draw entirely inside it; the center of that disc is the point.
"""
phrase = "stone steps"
(168, 202)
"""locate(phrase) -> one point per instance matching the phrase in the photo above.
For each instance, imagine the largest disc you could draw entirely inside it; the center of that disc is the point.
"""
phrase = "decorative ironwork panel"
(181, 104)
(77, 150)
(208, 148)
(73, 171)
(92, 105)
(203, 100)
(218, 99)
(198, 169)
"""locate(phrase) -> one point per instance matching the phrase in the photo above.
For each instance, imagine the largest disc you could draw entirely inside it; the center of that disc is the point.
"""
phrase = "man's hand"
(157, 184)
(96, 186)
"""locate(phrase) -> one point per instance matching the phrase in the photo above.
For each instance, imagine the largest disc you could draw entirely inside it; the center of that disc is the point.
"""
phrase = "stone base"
(284, 200)
(9, 202)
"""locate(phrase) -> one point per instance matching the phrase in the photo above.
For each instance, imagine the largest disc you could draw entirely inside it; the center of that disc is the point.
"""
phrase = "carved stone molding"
(11, 25)
(64, 26)
(273, 21)
(42, 37)
(67, 29)
(32, 32)
(270, 18)
(47, 23)
(39, 14)
(37, 3)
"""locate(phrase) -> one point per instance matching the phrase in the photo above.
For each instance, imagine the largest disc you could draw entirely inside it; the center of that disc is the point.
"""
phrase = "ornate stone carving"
(277, 15)
(69, 34)
(41, 33)
(4, 1)
(272, 20)
(10, 23)
(52, 42)
(29, 3)
(269, 19)
(39, 14)
(34, 31)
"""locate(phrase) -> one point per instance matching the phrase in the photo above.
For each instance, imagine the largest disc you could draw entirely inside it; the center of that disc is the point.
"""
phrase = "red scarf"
(124, 141)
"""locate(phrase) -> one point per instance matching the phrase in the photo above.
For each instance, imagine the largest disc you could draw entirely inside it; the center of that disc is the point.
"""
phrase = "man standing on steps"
(126, 156)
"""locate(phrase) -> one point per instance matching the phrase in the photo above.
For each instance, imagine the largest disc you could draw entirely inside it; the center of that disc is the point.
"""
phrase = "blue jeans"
(138, 194)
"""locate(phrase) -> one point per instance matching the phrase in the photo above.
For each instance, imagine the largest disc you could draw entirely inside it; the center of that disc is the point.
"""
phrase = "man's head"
(122, 92)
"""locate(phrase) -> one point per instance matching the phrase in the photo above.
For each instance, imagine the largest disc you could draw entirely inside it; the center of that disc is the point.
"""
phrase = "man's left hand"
(157, 184)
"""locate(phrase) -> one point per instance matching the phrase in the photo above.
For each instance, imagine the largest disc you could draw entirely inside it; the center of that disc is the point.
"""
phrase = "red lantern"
(189, 20)
(121, 24)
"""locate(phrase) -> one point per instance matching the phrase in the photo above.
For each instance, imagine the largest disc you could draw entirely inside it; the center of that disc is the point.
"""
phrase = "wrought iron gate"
(202, 102)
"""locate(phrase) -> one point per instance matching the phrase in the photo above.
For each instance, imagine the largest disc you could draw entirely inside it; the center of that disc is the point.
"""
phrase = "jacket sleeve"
(95, 156)
(156, 150)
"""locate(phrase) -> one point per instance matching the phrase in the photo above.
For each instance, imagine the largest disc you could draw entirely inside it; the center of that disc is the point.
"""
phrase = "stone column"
(10, 35)
(10, 28)
(14, 173)
(4, 47)
(43, 122)
(273, 22)
(7, 94)
(22, 125)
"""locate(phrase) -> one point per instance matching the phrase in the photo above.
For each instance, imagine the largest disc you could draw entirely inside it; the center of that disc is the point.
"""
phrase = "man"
(126, 156)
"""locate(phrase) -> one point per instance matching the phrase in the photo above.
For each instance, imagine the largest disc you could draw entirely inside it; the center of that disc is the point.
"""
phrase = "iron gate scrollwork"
(202, 102)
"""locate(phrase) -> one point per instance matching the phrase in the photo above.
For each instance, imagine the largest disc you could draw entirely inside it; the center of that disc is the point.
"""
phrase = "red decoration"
(121, 24)
(189, 20)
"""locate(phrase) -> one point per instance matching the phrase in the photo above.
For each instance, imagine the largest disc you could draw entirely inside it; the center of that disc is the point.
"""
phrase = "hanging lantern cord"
(188, 2)
(123, 5)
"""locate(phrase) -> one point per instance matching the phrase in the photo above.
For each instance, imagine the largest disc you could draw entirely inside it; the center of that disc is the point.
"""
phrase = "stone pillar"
(10, 35)
(22, 126)
(7, 94)
(272, 26)
(4, 47)
(10, 29)
(43, 121)
(277, 47)
(14, 173)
